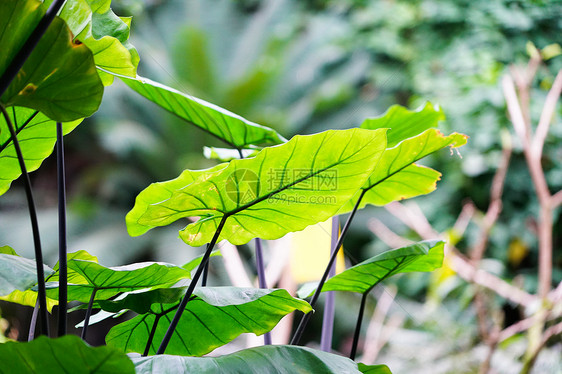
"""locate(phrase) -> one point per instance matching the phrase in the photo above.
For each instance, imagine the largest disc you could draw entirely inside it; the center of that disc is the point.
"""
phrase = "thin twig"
(546, 115)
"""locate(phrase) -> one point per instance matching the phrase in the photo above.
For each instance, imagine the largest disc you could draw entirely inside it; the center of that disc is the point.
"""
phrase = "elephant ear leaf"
(424, 256)
(232, 129)
(282, 189)
(59, 78)
(279, 359)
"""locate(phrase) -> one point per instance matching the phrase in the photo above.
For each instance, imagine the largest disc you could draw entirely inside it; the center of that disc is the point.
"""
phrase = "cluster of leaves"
(63, 80)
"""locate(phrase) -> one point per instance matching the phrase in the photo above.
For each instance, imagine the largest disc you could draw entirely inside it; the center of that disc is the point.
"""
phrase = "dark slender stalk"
(261, 280)
(31, 42)
(205, 273)
(304, 320)
(358, 326)
(190, 289)
(151, 336)
(88, 314)
(63, 271)
(41, 294)
(33, 323)
(330, 305)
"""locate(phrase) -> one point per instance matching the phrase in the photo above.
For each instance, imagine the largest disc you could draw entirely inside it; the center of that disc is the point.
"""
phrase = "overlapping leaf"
(213, 318)
(93, 23)
(361, 278)
(234, 130)
(59, 78)
(108, 282)
(282, 189)
(396, 177)
(68, 354)
(37, 137)
(272, 359)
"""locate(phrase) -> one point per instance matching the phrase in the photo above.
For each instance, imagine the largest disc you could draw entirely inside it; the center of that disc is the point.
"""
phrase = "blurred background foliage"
(308, 66)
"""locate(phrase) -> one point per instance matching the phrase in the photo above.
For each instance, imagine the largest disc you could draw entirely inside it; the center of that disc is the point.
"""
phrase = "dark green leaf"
(236, 131)
(213, 318)
(373, 369)
(282, 189)
(68, 354)
(271, 359)
(59, 78)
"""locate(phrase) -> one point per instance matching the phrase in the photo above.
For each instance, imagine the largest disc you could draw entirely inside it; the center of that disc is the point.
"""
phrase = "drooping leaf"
(282, 189)
(403, 123)
(17, 273)
(234, 130)
(272, 359)
(108, 282)
(396, 177)
(193, 264)
(37, 137)
(361, 278)
(93, 23)
(213, 318)
(68, 354)
(59, 78)
(73, 276)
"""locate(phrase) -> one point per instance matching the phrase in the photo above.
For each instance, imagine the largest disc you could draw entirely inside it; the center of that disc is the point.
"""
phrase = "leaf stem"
(30, 44)
(63, 269)
(358, 326)
(33, 323)
(190, 289)
(88, 314)
(41, 293)
(329, 306)
(151, 336)
(261, 280)
(304, 320)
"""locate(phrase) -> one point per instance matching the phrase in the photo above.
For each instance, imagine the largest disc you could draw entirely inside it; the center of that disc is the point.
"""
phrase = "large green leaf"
(213, 318)
(396, 177)
(93, 23)
(271, 359)
(68, 354)
(108, 282)
(17, 273)
(403, 123)
(37, 137)
(234, 130)
(59, 78)
(282, 189)
(361, 278)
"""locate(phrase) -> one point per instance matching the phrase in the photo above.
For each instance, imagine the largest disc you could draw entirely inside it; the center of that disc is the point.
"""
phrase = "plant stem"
(33, 323)
(329, 306)
(151, 336)
(314, 299)
(205, 272)
(88, 314)
(26, 49)
(261, 280)
(63, 270)
(41, 294)
(358, 326)
(190, 289)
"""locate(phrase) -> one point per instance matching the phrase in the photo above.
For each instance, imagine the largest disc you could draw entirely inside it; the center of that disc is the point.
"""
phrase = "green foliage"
(68, 354)
(216, 316)
(59, 78)
(16, 273)
(273, 359)
(281, 189)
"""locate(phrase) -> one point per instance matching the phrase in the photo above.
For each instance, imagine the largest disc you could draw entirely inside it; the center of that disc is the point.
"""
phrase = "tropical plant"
(58, 58)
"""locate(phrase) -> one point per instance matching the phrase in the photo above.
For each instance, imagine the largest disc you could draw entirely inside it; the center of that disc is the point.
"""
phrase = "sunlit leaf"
(423, 256)
(404, 123)
(59, 78)
(213, 318)
(17, 273)
(272, 359)
(37, 137)
(282, 189)
(396, 177)
(234, 130)
(227, 154)
(373, 369)
(93, 23)
(68, 354)
(108, 282)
